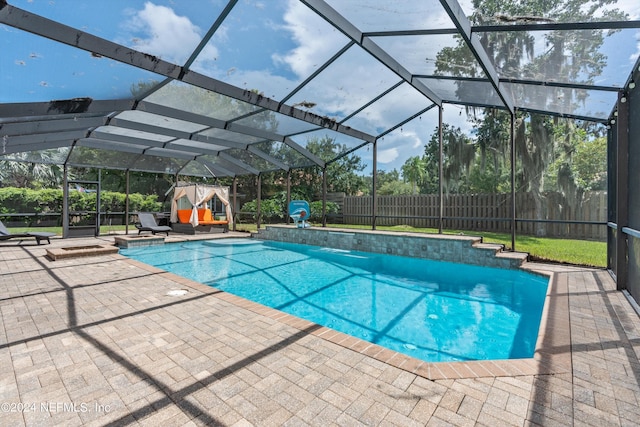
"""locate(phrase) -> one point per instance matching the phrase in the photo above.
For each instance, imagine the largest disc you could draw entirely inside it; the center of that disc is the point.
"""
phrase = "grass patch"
(16, 230)
(570, 251)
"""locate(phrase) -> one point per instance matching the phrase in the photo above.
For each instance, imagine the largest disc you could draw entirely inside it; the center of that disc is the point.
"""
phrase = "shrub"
(274, 209)
(316, 209)
(24, 200)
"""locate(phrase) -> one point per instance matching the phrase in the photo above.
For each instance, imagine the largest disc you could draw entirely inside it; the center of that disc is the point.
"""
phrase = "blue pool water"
(431, 310)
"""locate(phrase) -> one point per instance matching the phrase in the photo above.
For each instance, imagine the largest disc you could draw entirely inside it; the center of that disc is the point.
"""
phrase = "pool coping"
(552, 353)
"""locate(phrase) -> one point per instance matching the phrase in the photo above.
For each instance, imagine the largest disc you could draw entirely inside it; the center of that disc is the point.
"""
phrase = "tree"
(492, 136)
(384, 179)
(342, 172)
(396, 188)
(414, 170)
(590, 164)
(33, 170)
(571, 56)
(458, 157)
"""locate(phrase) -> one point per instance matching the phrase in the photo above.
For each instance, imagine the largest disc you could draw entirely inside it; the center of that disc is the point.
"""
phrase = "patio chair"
(38, 235)
(148, 223)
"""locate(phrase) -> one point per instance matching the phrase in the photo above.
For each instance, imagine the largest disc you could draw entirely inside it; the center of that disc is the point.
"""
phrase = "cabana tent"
(198, 195)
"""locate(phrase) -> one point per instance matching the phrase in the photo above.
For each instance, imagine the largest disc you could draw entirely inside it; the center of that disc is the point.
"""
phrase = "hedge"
(24, 200)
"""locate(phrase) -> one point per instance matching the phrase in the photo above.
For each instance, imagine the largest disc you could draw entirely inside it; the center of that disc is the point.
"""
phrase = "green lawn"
(570, 251)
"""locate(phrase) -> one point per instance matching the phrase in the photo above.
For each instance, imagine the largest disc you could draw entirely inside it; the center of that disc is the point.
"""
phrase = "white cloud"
(315, 43)
(349, 83)
(417, 142)
(159, 31)
(634, 57)
(406, 139)
(388, 155)
(631, 7)
(352, 80)
(346, 84)
(269, 84)
(467, 6)
(395, 148)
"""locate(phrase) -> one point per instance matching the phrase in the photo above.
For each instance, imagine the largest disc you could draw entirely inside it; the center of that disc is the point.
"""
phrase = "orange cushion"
(204, 215)
(184, 215)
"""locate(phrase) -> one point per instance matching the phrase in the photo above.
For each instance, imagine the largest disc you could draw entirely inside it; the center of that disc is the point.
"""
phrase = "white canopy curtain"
(198, 194)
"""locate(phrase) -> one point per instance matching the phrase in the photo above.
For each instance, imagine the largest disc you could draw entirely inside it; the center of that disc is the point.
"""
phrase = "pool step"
(514, 259)
(489, 246)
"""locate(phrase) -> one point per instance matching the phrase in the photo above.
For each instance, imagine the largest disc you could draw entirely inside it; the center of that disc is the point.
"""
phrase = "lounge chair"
(148, 223)
(38, 235)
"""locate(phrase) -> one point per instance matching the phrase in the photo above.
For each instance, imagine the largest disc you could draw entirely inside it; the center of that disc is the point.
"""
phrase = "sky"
(268, 45)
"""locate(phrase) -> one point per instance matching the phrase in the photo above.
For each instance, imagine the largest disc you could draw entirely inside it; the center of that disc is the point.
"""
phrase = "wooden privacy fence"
(487, 212)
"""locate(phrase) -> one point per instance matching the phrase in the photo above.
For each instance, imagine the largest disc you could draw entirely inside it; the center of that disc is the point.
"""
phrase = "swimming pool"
(431, 310)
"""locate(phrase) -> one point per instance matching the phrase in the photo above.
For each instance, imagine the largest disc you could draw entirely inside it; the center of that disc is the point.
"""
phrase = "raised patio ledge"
(80, 251)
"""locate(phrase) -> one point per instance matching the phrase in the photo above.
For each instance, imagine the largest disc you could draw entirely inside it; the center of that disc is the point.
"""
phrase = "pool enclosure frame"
(204, 145)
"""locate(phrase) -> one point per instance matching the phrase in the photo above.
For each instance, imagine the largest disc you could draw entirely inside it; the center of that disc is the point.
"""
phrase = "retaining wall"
(461, 249)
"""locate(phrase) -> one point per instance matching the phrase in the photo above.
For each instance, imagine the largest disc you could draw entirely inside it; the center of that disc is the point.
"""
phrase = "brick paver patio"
(98, 341)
